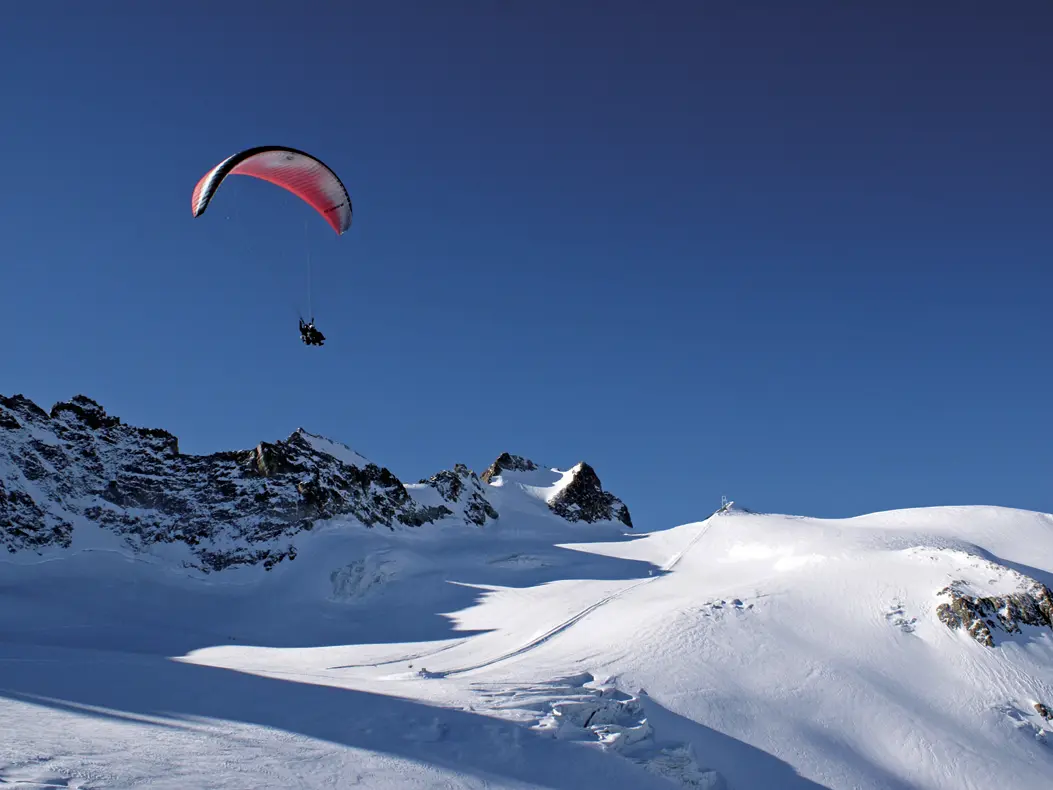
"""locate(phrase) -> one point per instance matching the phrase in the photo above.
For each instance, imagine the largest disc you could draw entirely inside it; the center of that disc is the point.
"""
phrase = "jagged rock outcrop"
(980, 616)
(230, 508)
(584, 499)
(462, 488)
(79, 465)
(510, 463)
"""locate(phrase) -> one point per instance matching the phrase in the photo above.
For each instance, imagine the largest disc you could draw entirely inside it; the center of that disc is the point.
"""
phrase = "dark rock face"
(585, 500)
(79, 465)
(25, 524)
(230, 508)
(461, 486)
(507, 462)
(981, 616)
(582, 500)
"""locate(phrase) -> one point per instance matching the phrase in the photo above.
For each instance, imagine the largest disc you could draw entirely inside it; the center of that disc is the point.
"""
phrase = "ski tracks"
(675, 559)
(579, 616)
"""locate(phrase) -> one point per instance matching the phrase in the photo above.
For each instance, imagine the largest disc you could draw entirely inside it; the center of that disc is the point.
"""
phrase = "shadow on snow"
(177, 694)
(107, 601)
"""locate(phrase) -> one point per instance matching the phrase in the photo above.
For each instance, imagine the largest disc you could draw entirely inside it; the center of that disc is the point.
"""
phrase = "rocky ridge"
(585, 500)
(983, 615)
(582, 499)
(506, 462)
(77, 464)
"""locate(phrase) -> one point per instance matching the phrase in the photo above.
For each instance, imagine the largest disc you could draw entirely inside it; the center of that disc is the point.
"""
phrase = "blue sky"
(797, 253)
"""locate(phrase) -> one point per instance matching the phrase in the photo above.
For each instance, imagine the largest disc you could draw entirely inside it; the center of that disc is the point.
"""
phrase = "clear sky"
(798, 253)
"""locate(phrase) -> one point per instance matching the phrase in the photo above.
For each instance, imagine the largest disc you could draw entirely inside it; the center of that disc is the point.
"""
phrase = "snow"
(540, 484)
(340, 452)
(743, 651)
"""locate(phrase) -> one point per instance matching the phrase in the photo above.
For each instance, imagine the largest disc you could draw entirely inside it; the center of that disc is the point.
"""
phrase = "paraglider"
(296, 171)
(310, 335)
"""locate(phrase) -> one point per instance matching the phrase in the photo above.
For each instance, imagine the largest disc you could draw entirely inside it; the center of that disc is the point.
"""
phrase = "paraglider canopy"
(298, 172)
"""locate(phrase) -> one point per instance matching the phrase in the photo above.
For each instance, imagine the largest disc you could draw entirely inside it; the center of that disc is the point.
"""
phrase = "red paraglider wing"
(298, 172)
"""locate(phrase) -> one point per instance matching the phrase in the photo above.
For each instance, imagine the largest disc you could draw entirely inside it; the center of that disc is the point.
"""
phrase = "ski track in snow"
(578, 617)
(554, 632)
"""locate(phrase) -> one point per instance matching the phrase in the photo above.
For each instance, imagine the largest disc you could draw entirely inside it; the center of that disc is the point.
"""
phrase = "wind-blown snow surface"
(744, 651)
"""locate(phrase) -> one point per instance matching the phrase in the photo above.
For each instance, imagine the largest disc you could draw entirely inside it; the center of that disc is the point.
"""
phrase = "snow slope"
(744, 651)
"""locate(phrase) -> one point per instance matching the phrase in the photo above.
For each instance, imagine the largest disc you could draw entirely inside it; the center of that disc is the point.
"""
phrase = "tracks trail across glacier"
(580, 615)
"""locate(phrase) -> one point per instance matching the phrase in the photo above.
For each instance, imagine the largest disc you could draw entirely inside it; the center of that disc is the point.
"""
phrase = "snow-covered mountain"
(77, 464)
(499, 631)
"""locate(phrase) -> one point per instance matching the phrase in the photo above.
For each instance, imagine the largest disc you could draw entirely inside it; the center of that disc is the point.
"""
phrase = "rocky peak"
(86, 410)
(583, 499)
(462, 487)
(510, 463)
(227, 508)
(15, 406)
(76, 464)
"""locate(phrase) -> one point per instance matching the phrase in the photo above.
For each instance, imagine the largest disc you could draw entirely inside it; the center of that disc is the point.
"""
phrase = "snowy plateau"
(295, 616)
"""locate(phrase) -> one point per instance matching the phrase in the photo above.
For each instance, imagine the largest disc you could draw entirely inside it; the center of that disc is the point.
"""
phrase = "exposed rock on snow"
(461, 486)
(978, 614)
(26, 525)
(506, 462)
(80, 464)
(229, 508)
(579, 496)
(897, 616)
(583, 499)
